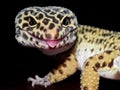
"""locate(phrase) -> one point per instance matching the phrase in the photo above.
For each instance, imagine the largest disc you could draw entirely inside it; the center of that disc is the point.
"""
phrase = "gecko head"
(51, 29)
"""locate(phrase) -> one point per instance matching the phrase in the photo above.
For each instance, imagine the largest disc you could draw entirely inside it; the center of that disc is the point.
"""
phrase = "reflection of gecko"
(55, 30)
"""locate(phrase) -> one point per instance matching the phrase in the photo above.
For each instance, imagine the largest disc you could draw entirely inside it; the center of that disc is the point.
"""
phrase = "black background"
(18, 62)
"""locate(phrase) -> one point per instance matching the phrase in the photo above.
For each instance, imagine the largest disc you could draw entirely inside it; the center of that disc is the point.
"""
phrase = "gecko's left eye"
(32, 21)
(66, 21)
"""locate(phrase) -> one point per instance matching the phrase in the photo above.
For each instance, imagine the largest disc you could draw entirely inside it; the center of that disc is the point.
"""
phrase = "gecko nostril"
(48, 36)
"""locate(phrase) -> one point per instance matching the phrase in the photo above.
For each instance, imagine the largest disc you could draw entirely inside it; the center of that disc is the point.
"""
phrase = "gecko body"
(55, 30)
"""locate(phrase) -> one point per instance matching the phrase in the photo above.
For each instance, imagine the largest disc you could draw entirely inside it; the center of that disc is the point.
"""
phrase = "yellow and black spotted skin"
(55, 30)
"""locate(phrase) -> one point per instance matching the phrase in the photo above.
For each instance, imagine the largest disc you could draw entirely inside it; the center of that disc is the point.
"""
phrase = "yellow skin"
(55, 31)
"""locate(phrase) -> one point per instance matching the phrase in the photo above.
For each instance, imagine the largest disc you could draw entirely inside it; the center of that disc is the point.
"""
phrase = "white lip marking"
(117, 63)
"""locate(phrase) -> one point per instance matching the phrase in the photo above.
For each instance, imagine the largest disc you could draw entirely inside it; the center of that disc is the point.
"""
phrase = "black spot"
(56, 36)
(82, 32)
(108, 52)
(114, 47)
(41, 28)
(38, 25)
(64, 41)
(64, 65)
(105, 45)
(18, 27)
(80, 41)
(86, 49)
(111, 44)
(25, 36)
(35, 13)
(26, 18)
(85, 37)
(97, 65)
(44, 30)
(85, 88)
(118, 37)
(55, 20)
(29, 28)
(31, 39)
(61, 71)
(47, 10)
(55, 80)
(51, 26)
(37, 42)
(111, 37)
(24, 25)
(31, 11)
(45, 21)
(26, 13)
(93, 32)
(97, 40)
(51, 17)
(100, 49)
(68, 59)
(89, 41)
(92, 50)
(52, 13)
(59, 16)
(100, 57)
(37, 34)
(38, 9)
(90, 57)
(87, 64)
(41, 36)
(104, 64)
(101, 40)
(40, 16)
(106, 34)
(94, 69)
(111, 63)
(20, 20)
(59, 28)
(66, 11)
(23, 42)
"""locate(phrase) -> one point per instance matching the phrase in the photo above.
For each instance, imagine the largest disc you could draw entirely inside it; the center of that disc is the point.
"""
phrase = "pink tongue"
(52, 43)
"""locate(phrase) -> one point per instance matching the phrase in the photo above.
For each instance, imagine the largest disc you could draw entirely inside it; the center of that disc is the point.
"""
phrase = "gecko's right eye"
(31, 20)
(66, 21)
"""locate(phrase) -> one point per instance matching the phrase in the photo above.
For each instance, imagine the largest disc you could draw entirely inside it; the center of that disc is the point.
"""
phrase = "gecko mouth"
(52, 43)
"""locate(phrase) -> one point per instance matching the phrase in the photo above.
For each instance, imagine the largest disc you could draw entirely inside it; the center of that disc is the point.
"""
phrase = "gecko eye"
(66, 21)
(32, 21)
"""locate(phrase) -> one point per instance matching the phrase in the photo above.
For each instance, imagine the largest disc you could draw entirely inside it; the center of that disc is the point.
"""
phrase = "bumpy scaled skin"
(55, 31)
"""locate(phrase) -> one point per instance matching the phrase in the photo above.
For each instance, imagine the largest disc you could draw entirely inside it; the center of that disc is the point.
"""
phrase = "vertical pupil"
(32, 21)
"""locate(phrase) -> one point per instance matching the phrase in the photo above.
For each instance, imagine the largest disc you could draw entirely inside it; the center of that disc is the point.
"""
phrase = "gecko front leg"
(67, 68)
(106, 64)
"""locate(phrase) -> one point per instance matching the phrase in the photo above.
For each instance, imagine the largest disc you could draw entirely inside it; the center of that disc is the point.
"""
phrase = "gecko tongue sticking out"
(52, 43)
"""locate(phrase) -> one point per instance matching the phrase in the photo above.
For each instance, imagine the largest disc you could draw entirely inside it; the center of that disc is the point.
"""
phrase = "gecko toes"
(39, 81)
